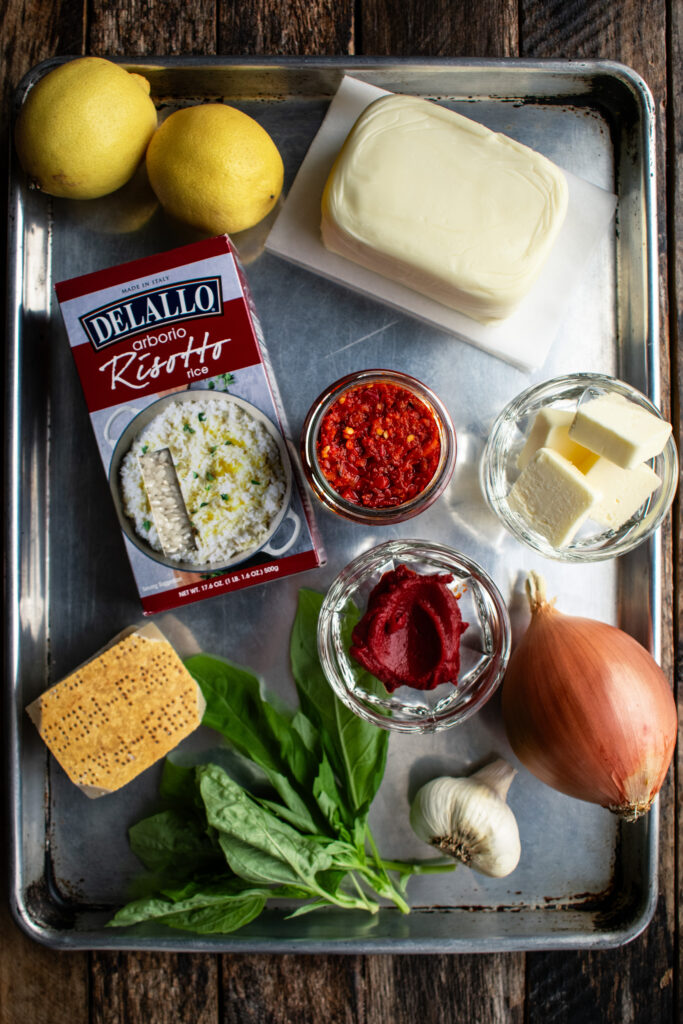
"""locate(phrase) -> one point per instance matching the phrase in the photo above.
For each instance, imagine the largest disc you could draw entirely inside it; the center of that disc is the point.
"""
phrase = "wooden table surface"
(638, 983)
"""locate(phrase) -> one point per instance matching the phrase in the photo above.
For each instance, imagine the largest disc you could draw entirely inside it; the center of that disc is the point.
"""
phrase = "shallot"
(588, 710)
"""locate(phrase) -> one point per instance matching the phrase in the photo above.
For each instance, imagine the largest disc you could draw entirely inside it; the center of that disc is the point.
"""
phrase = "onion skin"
(588, 710)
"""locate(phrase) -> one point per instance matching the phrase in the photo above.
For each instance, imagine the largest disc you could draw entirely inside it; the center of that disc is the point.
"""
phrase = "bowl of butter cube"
(580, 468)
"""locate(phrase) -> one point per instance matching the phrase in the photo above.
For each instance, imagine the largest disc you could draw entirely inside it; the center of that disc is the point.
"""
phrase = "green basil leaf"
(292, 750)
(257, 866)
(270, 849)
(286, 814)
(331, 881)
(328, 797)
(220, 919)
(215, 909)
(307, 908)
(357, 750)
(178, 785)
(173, 844)
(236, 709)
(323, 785)
(308, 733)
(358, 831)
(325, 765)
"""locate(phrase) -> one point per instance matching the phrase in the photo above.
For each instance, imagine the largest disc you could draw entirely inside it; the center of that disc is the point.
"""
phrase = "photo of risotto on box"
(230, 470)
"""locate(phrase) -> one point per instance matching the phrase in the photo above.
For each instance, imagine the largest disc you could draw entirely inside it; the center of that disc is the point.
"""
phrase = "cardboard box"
(172, 360)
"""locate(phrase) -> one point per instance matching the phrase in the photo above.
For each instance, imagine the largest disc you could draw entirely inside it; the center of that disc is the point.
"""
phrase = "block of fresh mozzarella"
(443, 205)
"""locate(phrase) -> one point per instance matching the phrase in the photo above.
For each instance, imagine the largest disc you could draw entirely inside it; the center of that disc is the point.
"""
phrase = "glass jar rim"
(463, 701)
(390, 514)
(566, 388)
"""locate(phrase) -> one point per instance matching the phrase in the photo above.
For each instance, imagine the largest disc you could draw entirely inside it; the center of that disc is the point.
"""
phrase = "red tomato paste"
(378, 445)
(410, 633)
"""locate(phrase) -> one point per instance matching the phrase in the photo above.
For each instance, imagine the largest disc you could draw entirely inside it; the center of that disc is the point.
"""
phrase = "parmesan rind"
(120, 712)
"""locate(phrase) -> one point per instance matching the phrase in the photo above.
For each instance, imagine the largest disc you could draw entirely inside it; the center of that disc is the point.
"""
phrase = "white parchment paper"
(525, 338)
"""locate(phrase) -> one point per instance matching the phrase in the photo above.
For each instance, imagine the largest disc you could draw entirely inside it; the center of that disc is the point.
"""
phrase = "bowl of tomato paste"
(378, 446)
(414, 636)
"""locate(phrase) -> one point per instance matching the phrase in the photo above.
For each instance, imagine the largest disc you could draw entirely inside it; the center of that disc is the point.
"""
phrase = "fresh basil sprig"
(356, 749)
(217, 851)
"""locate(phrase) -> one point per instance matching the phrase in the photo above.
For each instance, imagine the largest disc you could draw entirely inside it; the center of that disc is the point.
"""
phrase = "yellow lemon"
(84, 128)
(122, 212)
(214, 167)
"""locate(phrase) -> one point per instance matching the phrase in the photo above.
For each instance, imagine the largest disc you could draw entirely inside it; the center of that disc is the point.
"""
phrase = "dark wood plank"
(33, 30)
(154, 988)
(28, 972)
(439, 29)
(436, 989)
(366, 990)
(675, 228)
(319, 27)
(152, 27)
(634, 983)
(283, 989)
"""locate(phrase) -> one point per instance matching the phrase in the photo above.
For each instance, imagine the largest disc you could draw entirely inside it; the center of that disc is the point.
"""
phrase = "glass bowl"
(395, 513)
(498, 470)
(484, 647)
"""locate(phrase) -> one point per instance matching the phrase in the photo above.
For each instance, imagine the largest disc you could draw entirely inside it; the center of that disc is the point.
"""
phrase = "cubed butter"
(552, 496)
(443, 205)
(550, 429)
(622, 431)
(622, 491)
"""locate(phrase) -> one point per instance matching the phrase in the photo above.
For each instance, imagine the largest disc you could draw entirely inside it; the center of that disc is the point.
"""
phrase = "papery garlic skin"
(469, 819)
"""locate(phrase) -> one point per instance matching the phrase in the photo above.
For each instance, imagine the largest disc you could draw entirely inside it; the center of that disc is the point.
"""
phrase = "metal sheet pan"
(584, 879)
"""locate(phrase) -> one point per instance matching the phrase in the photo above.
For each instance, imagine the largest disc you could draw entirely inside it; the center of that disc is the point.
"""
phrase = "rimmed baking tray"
(584, 879)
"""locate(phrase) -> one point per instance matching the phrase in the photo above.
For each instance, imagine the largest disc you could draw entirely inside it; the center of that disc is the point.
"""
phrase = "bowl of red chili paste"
(414, 636)
(378, 446)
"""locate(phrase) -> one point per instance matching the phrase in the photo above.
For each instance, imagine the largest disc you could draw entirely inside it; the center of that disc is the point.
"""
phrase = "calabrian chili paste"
(410, 632)
(378, 445)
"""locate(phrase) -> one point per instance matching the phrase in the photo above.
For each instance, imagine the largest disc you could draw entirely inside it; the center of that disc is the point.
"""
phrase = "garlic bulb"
(469, 819)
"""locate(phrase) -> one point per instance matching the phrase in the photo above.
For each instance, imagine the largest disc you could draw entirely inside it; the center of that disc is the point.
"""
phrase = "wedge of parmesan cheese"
(443, 205)
(121, 711)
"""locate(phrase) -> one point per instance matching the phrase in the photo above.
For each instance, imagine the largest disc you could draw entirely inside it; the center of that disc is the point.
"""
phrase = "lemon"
(84, 128)
(122, 212)
(215, 168)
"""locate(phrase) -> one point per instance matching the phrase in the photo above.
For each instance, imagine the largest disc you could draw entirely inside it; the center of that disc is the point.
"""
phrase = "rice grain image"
(230, 472)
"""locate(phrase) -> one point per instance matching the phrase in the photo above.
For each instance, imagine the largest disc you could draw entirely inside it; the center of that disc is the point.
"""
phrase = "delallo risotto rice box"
(189, 424)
